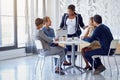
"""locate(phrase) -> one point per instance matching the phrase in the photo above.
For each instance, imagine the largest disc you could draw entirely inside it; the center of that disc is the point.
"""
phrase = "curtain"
(30, 29)
(32, 10)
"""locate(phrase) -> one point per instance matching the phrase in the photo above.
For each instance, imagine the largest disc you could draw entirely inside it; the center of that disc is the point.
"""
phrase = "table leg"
(73, 62)
(73, 55)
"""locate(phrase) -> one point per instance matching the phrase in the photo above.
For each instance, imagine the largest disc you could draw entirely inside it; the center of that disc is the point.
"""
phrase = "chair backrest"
(113, 47)
(114, 44)
(38, 45)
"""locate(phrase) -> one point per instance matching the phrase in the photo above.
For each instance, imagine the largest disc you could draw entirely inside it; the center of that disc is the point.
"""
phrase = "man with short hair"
(47, 49)
(103, 34)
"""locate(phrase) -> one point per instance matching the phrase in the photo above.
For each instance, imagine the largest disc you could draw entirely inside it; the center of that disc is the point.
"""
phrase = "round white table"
(73, 43)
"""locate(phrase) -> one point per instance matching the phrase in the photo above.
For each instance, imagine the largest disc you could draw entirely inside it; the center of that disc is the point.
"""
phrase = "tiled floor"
(23, 69)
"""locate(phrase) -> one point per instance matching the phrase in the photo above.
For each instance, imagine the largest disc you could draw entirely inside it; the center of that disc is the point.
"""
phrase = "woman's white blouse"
(71, 23)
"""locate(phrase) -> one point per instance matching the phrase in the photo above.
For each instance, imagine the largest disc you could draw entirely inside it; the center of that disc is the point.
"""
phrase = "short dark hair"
(71, 7)
(38, 21)
(97, 18)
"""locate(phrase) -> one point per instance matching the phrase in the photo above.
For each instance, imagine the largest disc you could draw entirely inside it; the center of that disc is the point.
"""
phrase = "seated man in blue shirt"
(103, 34)
(50, 33)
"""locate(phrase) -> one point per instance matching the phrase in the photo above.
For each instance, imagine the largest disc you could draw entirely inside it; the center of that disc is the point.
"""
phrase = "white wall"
(108, 9)
(52, 11)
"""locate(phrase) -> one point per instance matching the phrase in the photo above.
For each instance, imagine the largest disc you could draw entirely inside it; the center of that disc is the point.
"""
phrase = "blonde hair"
(45, 19)
(91, 18)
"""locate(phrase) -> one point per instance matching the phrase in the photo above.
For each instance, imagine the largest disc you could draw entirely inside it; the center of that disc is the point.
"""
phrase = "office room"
(59, 40)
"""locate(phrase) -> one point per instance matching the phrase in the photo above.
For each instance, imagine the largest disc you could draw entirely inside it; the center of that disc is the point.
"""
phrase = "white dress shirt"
(71, 25)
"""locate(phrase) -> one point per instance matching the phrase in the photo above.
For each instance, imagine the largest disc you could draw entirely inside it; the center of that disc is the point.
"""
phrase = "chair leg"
(109, 65)
(116, 65)
(59, 66)
(36, 64)
(52, 63)
(42, 65)
(93, 64)
(81, 61)
(103, 60)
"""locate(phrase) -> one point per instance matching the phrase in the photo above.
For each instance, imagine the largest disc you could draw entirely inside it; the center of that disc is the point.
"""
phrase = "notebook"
(61, 33)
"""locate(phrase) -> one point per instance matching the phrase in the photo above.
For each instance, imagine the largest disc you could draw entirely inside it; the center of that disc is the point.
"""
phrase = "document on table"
(61, 33)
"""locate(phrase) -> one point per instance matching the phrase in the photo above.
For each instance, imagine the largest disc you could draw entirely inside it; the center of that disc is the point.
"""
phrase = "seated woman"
(47, 29)
(93, 45)
(50, 33)
(48, 50)
(90, 30)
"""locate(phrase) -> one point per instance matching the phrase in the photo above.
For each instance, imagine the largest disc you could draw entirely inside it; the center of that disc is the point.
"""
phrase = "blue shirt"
(103, 34)
(50, 33)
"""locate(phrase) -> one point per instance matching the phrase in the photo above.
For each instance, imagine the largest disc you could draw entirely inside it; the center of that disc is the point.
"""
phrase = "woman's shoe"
(88, 68)
(59, 72)
(66, 63)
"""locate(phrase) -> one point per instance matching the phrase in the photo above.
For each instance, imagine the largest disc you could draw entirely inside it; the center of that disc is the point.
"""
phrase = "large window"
(16, 20)
(21, 22)
(7, 28)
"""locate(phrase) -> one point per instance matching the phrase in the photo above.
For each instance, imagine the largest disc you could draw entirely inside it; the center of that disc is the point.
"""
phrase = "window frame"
(15, 25)
(15, 29)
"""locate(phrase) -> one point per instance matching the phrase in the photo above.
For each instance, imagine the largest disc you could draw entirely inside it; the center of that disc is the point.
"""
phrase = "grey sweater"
(44, 39)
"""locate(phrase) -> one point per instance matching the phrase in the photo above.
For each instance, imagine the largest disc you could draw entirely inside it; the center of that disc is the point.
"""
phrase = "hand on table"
(56, 39)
